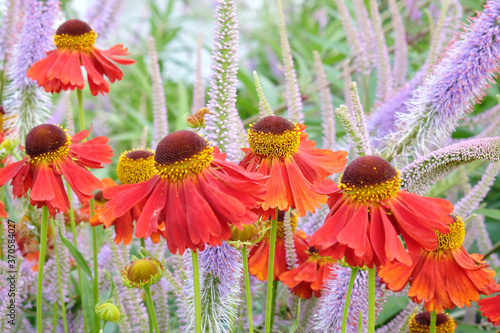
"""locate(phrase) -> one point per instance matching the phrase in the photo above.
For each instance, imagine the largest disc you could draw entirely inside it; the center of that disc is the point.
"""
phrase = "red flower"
(133, 167)
(51, 153)
(443, 278)
(309, 276)
(369, 211)
(258, 258)
(297, 170)
(490, 307)
(60, 70)
(193, 199)
(3, 213)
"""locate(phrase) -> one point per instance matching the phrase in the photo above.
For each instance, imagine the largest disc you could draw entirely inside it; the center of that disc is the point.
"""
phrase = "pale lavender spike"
(68, 112)
(293, 97)
(412, 7)
(264, 107)
(384, 72)
(346, 76)
(484, 243)
(291, 255)
(103, 16)
(471, 231)
(400, 322)
(327, 109)
(364, 146)
(400, 45)
(473, 199)
(419, 176)
(357, 135)
(160, 297)
(199, 86)
(221, 125)
(362, 61)
(313, 221)
(8, 31)
(484, 118)
(160, 113)
(458, 81)
(367, 35)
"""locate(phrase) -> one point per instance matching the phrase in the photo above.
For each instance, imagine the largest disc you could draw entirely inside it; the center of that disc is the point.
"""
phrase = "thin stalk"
(16, 155)
(59, 280)
(354, 271)
(247, 288)
(54, 318)
(75, 243)
(143, 243)
(371, 299)
(104, 322)
(197, 291)
(41, 263)
(81, 113)
(270, 275)
(151, 309)
(433, 322)
(94, 250)
(273, 304)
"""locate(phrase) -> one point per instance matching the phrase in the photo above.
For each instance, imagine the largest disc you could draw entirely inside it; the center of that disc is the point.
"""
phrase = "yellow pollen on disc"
(133, 171)
(179, 170)
(420, 323)
(372, 193)
(280, 228)
(274, 145)
(77, 43)
(454, 239)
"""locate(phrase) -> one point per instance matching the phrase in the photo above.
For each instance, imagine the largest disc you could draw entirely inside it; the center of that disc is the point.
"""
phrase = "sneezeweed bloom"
(445, 277)
(490, 307)
(134, 166)
(309, 276)
(421, 323)
(297, 171)
(142, 273)
(60, 70)
(194, 197)
(108, 311)
(369, 211)
(258, 259)
(51, 153)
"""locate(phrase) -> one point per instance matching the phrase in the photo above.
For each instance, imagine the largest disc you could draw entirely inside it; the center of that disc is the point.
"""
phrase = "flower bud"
(108, 311)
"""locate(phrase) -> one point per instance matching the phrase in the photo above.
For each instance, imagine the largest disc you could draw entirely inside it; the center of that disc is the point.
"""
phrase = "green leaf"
(76, 255)
(491, 213)
(294, 327)
(88, 303)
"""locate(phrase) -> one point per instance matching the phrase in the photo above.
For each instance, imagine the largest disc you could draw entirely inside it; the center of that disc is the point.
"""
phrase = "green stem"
(371, 299)
(41, 262)
(247, 287)
(151, 309)
(143, 243)
(354, 271)
(71, 213)
(270, 275)
(54, 317)
(59, 280)
(104, 322)
(2, 198)
(14, 153)
(433, 322)
(273, 304)
(197, 292)
(94, 250)
(81, 113)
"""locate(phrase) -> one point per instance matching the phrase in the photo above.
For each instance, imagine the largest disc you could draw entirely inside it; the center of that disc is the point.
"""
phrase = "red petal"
(72, 72)
(9, 171)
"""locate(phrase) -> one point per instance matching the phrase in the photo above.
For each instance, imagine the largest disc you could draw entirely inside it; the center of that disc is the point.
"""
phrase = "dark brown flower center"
(2, 111)
(179, 146)
(424, 318)
(139, 154)
(45, 139)
(273, 125)
(368, 170)
(73, 27)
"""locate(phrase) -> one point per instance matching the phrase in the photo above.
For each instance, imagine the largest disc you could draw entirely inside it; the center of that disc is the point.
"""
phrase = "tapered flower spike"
(484, 118)
(291, 255)
(458, 81)
(222, 123)
(400, 322)
(102, 16)
(384, 72)
(264, 107)
(367, 35)
(10, 17)
(30, 105)
(483, 240)
(293, 97)
(419, 175)
(351, 127)
(160, 113)
(346, 77)
(199, 86)
(359, 117)
(400, 47)
(327, 110)
(471, 201)
(412, 6)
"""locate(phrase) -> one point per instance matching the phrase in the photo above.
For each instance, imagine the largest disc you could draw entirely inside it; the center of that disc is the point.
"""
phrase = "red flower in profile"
(60, 70)
(490, 307)
(51, 153)
(133, 167)
(369, 211)
(297, 170)
(443, 278)
(309, 276)
(194, 197)
(258, 258)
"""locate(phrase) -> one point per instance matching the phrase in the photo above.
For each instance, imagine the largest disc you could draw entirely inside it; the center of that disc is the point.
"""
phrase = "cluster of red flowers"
(187, 193)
